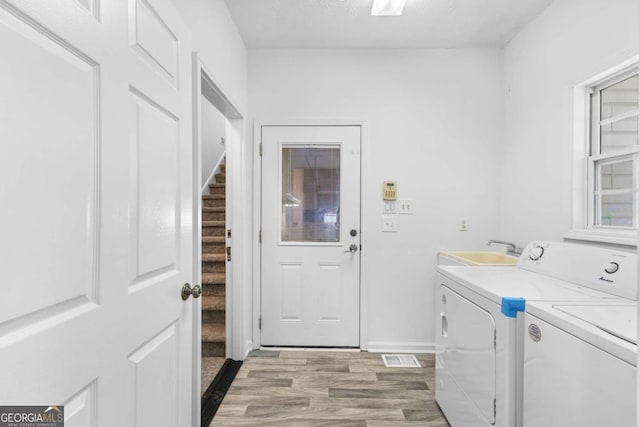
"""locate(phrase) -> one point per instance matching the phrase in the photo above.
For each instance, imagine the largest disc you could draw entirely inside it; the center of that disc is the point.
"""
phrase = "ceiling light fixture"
(387, 7)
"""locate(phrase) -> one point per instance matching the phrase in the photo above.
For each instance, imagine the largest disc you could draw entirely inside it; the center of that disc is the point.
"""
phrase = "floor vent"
(400, 361)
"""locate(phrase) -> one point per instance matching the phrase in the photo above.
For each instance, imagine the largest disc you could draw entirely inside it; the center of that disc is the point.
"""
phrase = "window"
(310, 194)
(613, 161)
(607, 149)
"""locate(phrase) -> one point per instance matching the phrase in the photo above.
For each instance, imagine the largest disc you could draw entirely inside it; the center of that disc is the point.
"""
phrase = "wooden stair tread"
(217, 185)
(213, 289)
(213, 332)
(213, 302)
(213, 197)
(213, 257)
(214, 239)
(213, 209)
(213, 223)
(213, 278)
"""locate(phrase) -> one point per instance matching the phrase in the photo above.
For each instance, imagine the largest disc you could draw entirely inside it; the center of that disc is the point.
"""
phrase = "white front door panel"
(467, 355)
(570, 383)
(310, 205)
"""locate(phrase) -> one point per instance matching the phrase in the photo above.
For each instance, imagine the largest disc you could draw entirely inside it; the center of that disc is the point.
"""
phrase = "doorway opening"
(213, 231)
(217, 135)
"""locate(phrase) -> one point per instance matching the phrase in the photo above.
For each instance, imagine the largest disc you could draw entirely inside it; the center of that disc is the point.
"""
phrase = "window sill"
(614, 237)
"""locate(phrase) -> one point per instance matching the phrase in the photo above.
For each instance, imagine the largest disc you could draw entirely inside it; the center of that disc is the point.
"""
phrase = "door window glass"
(310, 194)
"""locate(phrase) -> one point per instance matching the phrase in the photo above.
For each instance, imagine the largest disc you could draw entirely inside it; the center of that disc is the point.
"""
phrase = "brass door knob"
(188, 291)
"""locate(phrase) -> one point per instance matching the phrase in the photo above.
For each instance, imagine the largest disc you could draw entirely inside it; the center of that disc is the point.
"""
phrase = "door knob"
(353, 248)
(188, 291)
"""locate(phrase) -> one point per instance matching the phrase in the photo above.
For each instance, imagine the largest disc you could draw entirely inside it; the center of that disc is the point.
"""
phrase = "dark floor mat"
(215, 393)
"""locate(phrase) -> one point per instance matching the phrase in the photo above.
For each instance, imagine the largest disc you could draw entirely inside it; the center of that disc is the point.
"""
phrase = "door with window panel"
(613, 164)
(310, 236)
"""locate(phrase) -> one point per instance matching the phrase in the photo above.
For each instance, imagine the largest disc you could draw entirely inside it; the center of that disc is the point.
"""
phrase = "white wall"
(213, 129)
(571, 41)
(217, 40)
(435, 125)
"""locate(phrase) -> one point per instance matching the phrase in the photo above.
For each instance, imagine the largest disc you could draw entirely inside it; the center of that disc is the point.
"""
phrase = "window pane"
(617, 210)
(619, 98)
(310, 194)
(619, 134)
(615, 192)
(616, 176)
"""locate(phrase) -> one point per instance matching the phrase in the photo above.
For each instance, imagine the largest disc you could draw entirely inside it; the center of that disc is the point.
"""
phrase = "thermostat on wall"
(389, 190)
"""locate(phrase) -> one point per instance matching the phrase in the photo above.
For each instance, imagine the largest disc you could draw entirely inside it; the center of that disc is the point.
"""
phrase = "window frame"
(586, 137)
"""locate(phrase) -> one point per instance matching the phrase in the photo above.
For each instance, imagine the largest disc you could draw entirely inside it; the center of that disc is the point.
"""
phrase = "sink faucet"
(512, 248)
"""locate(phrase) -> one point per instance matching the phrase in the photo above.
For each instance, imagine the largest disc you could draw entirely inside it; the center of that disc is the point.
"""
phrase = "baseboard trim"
(400, 347)
(316, 349)
(249, 346)
(372, 347)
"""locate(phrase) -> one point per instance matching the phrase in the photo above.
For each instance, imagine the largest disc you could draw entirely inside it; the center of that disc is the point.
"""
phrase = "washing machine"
(580, 365)
(480, 322)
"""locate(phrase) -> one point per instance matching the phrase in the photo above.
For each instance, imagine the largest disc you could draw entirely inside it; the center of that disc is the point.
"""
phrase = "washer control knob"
(612, 267)
(536, 253)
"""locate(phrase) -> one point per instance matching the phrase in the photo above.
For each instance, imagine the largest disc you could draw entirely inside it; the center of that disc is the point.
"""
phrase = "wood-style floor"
(333, 389)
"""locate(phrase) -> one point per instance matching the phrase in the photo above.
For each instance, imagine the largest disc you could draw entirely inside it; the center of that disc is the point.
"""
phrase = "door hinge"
(495, 340)
(260, 236)
(260, 149)
(260, 322)
(228, 253)
(494, 408)
(228, 233)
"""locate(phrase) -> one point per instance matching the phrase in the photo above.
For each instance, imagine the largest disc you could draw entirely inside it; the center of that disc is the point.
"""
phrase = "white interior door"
(310, 220)
(96, 190)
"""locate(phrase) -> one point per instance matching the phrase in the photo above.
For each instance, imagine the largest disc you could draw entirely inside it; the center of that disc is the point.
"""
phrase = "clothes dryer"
(479, 322)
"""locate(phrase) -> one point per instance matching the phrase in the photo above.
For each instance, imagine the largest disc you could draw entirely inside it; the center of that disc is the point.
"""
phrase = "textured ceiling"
(349, 24)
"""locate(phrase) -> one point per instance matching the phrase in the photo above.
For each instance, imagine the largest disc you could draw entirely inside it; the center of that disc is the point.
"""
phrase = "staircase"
(213, 278)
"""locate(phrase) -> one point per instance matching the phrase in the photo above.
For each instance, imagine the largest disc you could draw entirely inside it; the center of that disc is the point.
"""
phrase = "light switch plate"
(389, 224)
(405, 207)
(389, 207)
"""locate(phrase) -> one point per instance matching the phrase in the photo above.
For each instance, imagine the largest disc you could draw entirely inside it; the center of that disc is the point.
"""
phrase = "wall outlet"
(405, 207)
(464, 226)
(389, 224)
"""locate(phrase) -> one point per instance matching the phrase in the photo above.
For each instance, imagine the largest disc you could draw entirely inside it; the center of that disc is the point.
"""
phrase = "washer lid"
(618, 320)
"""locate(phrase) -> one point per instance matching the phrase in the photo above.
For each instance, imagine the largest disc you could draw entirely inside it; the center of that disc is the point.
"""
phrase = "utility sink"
(477, 258)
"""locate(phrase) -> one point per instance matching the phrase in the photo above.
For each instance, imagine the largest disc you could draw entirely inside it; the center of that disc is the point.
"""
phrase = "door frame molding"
(257, 218)
(213, 92)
